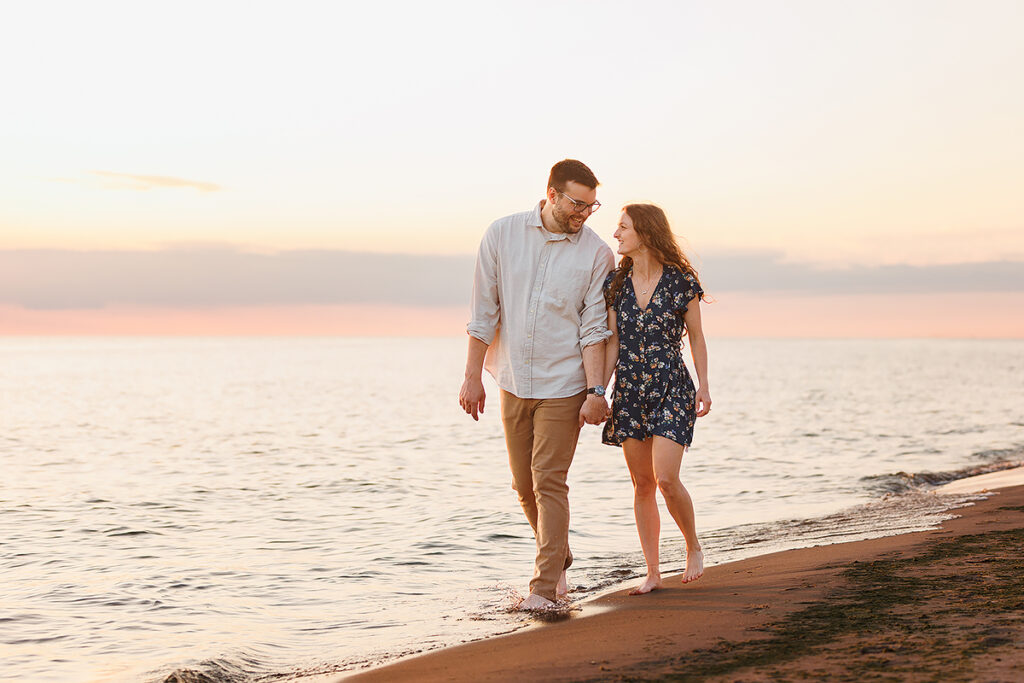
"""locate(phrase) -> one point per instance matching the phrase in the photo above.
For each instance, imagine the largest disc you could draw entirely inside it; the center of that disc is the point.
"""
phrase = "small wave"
(36, 641)
(907, 511)
(904, 482)
(607, 571)
(999, 455)
(237, 670)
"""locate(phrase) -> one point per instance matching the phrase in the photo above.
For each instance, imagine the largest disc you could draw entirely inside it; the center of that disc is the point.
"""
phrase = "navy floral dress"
(654, 394)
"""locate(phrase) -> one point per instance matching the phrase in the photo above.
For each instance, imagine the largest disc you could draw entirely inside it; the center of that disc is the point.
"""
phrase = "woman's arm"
(611, 349)
(611, 355)
(699, 350)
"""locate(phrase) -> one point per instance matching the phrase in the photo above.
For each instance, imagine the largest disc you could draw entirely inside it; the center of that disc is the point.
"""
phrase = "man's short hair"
(570, 169)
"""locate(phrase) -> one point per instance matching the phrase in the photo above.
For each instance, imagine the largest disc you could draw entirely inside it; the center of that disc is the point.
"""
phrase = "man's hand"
(594, 410)
(472, 396)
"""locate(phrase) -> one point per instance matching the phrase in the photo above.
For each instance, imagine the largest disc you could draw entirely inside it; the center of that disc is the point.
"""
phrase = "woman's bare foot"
(562, 589)
(535, 602)
(694, 565)
(651, 583)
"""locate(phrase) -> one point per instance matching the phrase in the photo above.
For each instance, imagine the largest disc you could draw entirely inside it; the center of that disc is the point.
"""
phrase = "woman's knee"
(668, 483)
(644, 487)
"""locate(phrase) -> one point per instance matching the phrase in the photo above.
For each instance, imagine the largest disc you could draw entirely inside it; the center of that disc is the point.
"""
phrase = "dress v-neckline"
(636, 298)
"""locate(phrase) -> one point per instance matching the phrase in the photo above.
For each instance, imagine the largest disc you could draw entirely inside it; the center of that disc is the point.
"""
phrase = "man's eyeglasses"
(580, 207)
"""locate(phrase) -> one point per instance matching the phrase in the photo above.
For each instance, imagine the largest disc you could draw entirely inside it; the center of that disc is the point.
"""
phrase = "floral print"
(654, 394)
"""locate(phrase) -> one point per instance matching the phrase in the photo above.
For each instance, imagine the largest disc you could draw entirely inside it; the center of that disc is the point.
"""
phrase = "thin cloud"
(109, 180)
(211, 276)
(220, 276)
(765, 270)
(148, 182)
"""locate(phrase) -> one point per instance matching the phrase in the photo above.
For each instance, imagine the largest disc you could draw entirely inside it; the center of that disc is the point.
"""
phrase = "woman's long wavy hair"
(651, 224)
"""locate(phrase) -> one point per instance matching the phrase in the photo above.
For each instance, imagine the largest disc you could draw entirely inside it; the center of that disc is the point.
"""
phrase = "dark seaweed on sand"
(923, 617)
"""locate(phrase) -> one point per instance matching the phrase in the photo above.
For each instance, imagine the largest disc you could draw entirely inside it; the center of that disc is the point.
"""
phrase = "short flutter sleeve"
(687, 290)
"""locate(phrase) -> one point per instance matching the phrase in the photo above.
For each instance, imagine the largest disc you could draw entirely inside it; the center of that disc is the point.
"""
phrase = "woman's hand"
(703, 402)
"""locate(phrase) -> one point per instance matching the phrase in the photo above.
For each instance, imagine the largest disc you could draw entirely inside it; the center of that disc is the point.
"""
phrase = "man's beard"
(564, 221)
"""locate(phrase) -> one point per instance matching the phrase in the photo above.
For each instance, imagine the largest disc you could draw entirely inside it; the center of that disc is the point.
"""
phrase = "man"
(539, 320)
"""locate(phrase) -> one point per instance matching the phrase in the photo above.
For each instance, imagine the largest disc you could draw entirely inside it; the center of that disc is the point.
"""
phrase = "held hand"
(703, 402)
(472, 396)
(594, 410)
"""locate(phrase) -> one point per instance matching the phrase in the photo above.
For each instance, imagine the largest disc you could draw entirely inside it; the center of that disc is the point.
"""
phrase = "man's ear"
(552, 194)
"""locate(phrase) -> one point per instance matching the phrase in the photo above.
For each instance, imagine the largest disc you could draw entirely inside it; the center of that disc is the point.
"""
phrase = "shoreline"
(762, 613)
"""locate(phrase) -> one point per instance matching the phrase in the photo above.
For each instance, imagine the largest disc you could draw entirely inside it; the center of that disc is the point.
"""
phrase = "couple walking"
(552, 319)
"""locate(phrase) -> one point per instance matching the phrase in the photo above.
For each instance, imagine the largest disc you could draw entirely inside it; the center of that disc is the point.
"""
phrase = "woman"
(653, 297)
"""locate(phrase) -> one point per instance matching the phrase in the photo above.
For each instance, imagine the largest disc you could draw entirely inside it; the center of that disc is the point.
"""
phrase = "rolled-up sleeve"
(594, 318)
(485, 304)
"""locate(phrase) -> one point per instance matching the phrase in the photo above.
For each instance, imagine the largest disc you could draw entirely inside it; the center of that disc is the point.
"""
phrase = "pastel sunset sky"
(835, 168)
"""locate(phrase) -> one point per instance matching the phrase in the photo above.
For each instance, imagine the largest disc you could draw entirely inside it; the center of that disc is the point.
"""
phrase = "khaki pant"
(541, 435)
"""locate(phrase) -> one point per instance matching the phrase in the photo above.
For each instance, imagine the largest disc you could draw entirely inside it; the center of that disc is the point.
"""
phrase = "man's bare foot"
(651, 583)
(694, 565)
(562, 589)
(535, 602)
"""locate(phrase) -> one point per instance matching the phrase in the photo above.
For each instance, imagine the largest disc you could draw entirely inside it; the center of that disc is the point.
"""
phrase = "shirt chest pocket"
(564, 291)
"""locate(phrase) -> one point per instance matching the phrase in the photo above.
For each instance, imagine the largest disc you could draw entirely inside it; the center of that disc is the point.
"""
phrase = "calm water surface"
(255, 507)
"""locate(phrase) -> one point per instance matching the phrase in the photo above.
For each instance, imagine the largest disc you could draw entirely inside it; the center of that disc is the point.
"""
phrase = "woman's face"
(629, 239)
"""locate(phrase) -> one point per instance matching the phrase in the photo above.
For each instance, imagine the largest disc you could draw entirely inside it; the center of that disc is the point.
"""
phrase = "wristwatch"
(596, 391)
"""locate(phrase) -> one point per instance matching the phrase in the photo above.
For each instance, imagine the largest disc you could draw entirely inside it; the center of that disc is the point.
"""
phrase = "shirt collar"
(535, 220)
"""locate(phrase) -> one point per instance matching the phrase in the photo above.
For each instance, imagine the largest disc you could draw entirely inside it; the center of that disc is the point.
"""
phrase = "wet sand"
(946, 604)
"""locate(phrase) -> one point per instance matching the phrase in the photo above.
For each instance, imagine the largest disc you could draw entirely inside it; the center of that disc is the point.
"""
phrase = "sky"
(833, 168)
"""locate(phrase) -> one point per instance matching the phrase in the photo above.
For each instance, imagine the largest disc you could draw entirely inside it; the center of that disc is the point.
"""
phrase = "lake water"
(252, 508)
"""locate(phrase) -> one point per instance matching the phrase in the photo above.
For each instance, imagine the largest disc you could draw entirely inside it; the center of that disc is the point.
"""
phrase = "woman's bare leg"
(666, 458)
(645, 509)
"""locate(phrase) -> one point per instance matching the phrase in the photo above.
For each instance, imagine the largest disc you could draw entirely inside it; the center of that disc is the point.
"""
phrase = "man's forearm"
(475, 358)
(593, 363)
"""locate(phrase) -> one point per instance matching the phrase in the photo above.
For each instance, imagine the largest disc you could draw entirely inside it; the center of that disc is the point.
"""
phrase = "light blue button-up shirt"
(537, 303)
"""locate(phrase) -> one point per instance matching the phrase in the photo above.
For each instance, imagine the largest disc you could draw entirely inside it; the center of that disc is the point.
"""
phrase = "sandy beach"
(943, 604)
